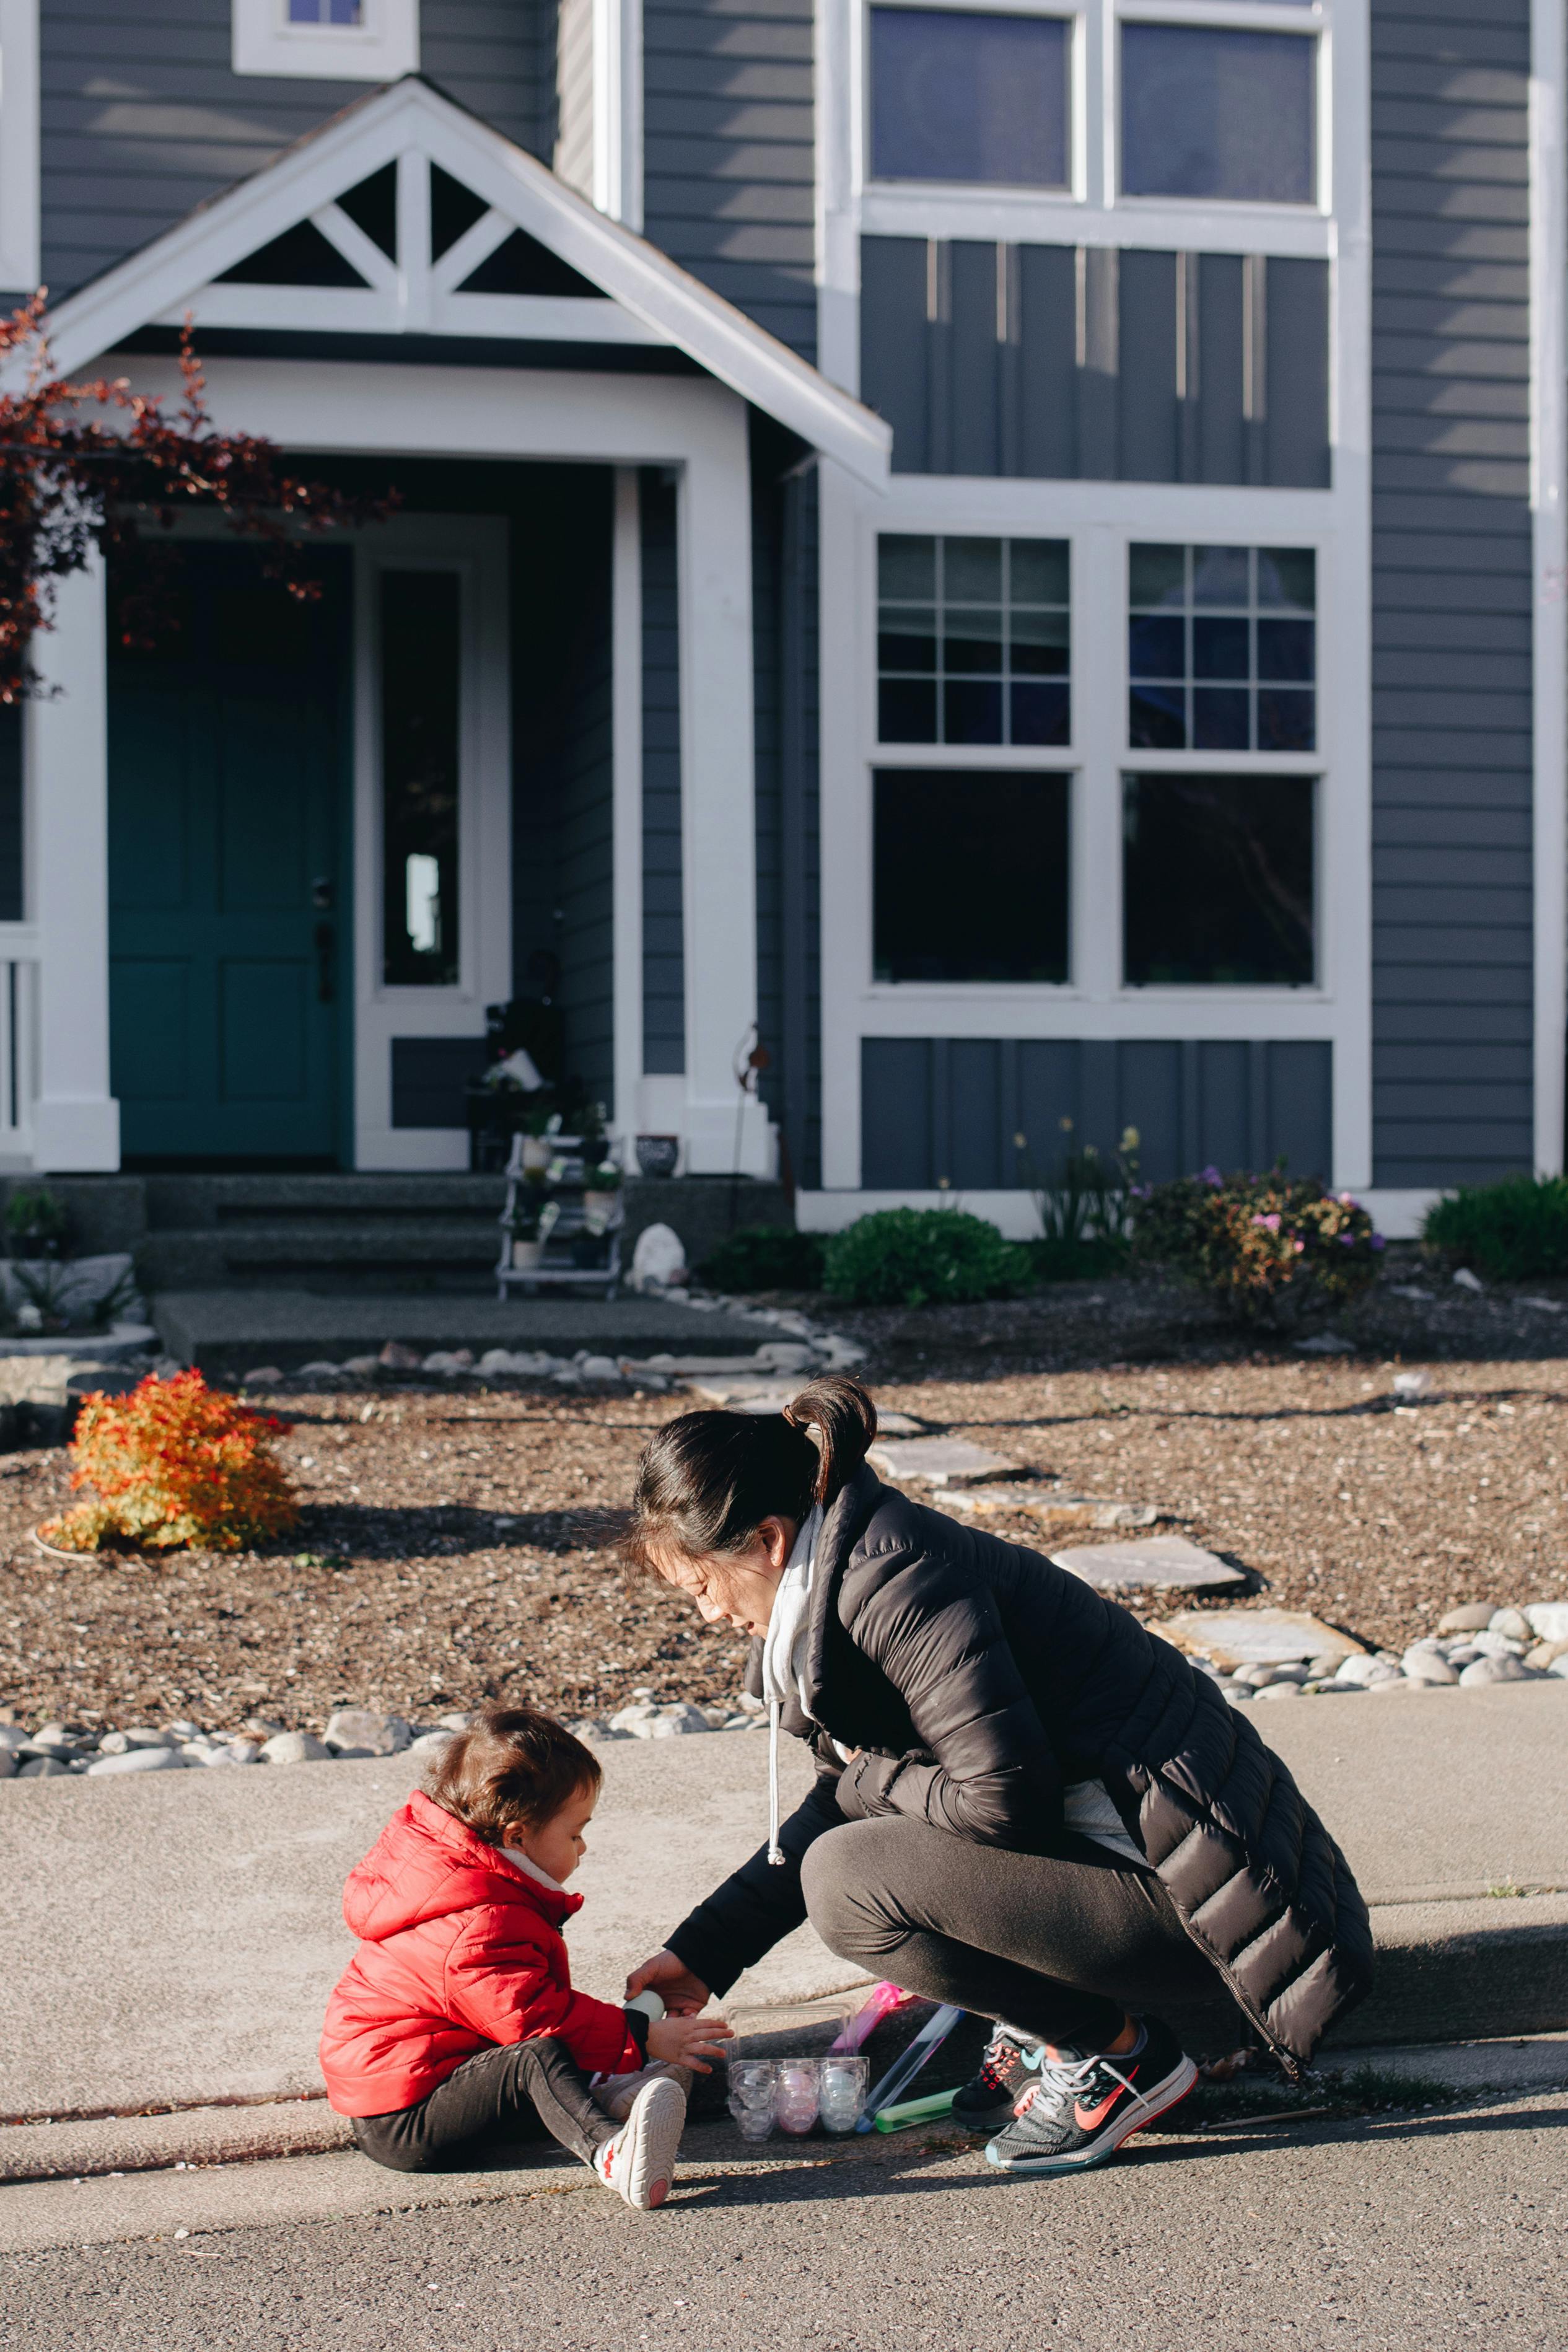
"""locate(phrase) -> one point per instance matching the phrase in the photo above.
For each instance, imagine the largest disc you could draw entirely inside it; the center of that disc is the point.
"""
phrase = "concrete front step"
(186, 1204)
(417, 1252)
(232, 1330)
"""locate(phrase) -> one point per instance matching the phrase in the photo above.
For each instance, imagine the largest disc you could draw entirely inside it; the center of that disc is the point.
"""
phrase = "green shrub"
(1513, 1230)
(1056, 1258)
(920, 1257)
(767, 1257)
(1267, 1248)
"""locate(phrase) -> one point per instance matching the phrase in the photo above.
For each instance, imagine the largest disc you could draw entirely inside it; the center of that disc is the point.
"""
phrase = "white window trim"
(384, 47)
(19, 145)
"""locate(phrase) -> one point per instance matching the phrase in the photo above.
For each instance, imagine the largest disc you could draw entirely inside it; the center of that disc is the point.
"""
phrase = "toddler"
(455, 2025)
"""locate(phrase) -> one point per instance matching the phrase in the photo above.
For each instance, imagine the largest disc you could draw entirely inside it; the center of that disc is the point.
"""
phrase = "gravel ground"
(438, 1563)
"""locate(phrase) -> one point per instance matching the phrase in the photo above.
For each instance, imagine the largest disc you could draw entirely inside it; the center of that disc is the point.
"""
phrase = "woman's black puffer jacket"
(980, 1680)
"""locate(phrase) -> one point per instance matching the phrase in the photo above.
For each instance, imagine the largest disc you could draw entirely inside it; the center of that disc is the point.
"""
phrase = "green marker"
(915, 2111)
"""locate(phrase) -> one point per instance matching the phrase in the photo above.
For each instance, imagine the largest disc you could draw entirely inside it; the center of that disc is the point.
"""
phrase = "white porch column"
(626, 762)
(719, 803)
(76, 1120)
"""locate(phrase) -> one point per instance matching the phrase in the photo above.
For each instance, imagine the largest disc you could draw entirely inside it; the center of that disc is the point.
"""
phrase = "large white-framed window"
(334, 41)
(19, 198)
(1203, 122)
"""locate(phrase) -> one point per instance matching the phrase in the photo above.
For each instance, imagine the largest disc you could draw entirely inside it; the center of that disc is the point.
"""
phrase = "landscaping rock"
(1326, 1343)
(264, 1375)
(1278, 1690)
(599, 1368)
(649, 1721)
(1488, 1644)
(1427, 1666)
(321, 1371)
(1504, 1669)
(43, 1768)
(1466, 1280)
(295, 1748)
(136, 1760)
(363, 1368)
(1413, 1384)
(1545, 1655)
(1367, 1671)
(1510, 1623)
(1236, 1637)
(8, 1763)
(1548, 1620)
(12, 1736)
(1469, 1619)
(658, 1260)
(1046, 1503)
(457, 1722)
(940, 1460)
(448, 1363)
(786, 1354)
(431, 1743)
(371, 1734)
(1168, 1562)
(396, 1357)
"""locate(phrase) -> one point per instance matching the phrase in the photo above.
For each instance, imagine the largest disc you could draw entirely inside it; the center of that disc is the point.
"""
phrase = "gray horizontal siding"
(947, 1110)
(664, 936)
(142, 119)
(729, 155)
(1042, 361)
(1452, 570)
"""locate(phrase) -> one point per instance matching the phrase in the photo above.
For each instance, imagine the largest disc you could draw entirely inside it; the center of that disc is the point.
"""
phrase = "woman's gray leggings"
(1060, 1944)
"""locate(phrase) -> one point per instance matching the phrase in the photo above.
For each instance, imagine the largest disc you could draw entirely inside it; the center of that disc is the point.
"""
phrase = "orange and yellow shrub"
(176, 1463)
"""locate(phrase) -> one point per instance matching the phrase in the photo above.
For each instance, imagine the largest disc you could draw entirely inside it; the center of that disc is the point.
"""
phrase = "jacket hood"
(426, 1863)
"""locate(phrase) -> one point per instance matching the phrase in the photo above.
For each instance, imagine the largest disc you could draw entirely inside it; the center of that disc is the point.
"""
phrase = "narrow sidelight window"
(1218, 880)
(958, 95)
(973, 642)
(1208, 111)
(422, 665)
(970, 875)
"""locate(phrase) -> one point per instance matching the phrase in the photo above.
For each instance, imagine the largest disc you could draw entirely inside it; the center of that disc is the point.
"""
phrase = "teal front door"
(228, 868)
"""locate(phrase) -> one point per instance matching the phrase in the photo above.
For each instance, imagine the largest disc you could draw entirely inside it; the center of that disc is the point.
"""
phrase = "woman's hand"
(682, 1994)
(687, 2041)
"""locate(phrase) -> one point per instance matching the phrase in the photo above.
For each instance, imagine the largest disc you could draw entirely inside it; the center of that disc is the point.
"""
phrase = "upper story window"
(973, 640)
(956, 94)
(1211, 111)
(1222, 648)
(336, 40)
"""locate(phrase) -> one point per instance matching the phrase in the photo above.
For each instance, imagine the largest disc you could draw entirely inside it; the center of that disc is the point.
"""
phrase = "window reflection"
(421, 621)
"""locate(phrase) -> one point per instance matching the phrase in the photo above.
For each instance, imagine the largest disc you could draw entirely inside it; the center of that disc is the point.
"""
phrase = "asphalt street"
(1411, 2232)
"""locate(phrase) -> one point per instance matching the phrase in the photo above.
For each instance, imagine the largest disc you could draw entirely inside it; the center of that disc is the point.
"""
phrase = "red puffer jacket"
(458, 1950)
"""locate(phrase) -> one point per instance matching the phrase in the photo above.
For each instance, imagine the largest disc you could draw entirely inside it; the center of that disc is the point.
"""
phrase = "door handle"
(325, 973)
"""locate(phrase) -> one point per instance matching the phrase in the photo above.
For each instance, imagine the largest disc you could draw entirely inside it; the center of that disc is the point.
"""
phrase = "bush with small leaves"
(767, 1257)
(1266, 1248)
(174, 1463)
(922, 1257)
(1513, 1230)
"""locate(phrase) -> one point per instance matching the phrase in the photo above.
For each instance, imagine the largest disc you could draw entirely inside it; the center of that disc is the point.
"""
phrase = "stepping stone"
(1169, 1561)
(1040, 1502)
(940, 1462)
(1258, 1637)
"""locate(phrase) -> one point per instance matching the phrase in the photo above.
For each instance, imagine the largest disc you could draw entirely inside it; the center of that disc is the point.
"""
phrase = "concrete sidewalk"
(172, 1939)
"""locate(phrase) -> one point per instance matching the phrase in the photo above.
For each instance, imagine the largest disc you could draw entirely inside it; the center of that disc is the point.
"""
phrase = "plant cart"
(560, 1228)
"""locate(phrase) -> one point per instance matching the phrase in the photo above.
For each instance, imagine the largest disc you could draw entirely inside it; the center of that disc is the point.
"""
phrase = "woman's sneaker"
(639, 2163)
(987, 2102)
(1081, 2107)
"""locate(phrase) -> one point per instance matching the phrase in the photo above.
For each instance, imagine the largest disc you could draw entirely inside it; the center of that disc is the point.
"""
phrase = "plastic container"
(840, 2092)
(753, 2096)
(797, 2094)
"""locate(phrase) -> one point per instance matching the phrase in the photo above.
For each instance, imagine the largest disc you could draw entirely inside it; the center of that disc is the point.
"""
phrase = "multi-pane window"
(1211, 111)
(326, 12)
(974, 641)
(1221, 649)
(956, 94)
(1218, 880)
(970, 875)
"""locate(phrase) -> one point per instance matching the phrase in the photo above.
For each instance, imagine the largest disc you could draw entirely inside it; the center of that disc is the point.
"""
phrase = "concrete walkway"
(215, 1933)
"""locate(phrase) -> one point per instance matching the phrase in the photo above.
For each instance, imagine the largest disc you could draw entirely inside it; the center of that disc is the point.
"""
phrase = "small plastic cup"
(753, 2094)
(796, 2106)
(841, 2092)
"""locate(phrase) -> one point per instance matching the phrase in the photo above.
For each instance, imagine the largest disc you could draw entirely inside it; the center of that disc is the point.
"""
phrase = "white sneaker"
(639, 2163)
(613, 2093)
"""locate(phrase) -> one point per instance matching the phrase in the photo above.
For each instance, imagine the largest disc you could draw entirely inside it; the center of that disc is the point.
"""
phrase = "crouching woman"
(1024, 1802)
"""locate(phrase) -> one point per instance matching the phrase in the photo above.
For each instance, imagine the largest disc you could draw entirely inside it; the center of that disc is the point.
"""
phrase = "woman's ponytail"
(707, 1480)
(844, 1413)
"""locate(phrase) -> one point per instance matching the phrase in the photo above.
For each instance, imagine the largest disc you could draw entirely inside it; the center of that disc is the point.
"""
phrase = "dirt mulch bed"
(439, 1561)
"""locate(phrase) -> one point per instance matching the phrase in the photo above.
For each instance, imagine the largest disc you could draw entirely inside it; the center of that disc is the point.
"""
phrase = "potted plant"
(599, 1193)
(523, 1225)
(539, 1126)
(37, 1225)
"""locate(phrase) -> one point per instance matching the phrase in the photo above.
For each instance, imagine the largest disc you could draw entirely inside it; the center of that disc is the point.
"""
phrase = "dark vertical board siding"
(939, 1110)
(729, 152)
(1002, 375)
(143, 119)
(663, 944)
(1452, 572)
(1296, 375)
(13, 904)
(1146, 334)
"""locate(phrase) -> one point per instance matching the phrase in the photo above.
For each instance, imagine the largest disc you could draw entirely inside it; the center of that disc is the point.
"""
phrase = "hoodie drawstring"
(774, 1851)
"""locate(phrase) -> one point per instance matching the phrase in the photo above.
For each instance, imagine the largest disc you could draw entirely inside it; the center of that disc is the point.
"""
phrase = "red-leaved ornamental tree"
(86, 465)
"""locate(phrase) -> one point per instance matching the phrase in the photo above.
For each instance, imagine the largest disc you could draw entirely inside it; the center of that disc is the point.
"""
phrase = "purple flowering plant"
(1268, 1248)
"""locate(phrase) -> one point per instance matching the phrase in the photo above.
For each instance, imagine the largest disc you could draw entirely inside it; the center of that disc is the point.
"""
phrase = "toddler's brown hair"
(512, 1769)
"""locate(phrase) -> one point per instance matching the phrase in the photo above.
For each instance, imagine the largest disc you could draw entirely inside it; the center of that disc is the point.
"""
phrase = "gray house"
(1014, 553)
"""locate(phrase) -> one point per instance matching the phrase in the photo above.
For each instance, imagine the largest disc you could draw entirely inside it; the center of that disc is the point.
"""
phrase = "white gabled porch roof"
(644, 296)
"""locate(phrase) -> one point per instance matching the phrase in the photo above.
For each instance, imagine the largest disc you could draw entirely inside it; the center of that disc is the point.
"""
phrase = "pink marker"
(857, 2030)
